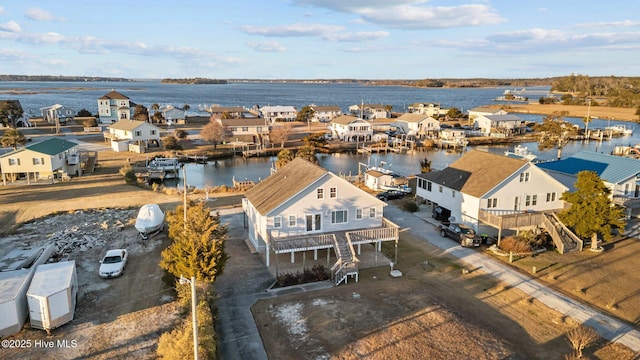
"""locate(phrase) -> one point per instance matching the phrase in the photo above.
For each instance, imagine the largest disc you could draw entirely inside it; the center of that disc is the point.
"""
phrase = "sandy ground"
(601, 112)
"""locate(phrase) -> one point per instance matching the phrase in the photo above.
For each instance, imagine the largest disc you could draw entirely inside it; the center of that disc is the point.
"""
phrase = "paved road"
(608, 327)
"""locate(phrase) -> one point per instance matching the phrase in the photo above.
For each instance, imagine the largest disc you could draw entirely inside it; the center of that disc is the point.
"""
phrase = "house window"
(440, 188)
(14, 161)
(551, 197)
(534, 200)
(277, 222)
(333, 192)
(233, 129)
(372, 212)
(524, 177)
(428, 185)
(153, 132)
(527, 200)
(359, 214)
(339, 217)
(138, 133)
(123, 116)
(516, 203)
(320, 193)
(292, 220)
(245, 129)
(38, 161)
(626, 189)
(492, 203)
(453, 193)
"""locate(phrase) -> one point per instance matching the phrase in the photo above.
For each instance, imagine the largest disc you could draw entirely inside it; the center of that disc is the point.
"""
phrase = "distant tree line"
(194, 81)
(616, 91)
(58, 78)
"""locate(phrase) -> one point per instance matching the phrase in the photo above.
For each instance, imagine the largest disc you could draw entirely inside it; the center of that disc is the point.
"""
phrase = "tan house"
(303, 208)
(134, 132)
(246, 129)
(430, 109)
(49, 159)
(415, 124)
(227, 111)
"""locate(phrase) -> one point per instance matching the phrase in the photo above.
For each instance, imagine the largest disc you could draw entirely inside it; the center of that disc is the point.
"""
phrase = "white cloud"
(38, 14)
(357, 37)
(412, 14)
(10, 26)
(615, 24)
(267, 46)
(2, 12)
(299, 29)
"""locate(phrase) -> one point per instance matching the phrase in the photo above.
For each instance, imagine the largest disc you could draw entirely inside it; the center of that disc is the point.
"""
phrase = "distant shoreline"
(579, 111)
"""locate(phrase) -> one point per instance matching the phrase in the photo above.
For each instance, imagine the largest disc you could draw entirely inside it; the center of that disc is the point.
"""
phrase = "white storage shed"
(52, 295)
(13, 300)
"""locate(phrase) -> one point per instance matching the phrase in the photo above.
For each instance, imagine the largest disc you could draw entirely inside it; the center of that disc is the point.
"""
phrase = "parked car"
(460, 233)
(390, 195)
(113, 263)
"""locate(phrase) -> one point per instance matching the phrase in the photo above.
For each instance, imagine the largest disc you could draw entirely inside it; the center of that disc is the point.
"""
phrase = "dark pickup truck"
(461, 233)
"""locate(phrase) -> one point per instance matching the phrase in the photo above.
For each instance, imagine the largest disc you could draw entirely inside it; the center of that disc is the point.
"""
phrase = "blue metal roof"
(610, 168)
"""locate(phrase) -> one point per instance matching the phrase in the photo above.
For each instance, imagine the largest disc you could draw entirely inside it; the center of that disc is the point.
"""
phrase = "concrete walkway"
(608, 327)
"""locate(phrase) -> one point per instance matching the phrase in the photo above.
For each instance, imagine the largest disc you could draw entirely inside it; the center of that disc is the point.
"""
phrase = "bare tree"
(214, 132)
(581, 337)
(280, 133)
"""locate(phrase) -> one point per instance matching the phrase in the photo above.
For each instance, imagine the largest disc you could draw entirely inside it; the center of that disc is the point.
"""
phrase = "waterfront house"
(415, 124)
(226, 112)
(173, 115)
(351, 128)
(499, 125)
(431, 109)
(370, 111)
(453, 137)
(113, 107)
(304, 208)
(620, 174)
(278, 113)
(248, 130)
(132, 135)
(485, 110)
(482, 181)
(49, 159)
(57, 114)
(325, 113)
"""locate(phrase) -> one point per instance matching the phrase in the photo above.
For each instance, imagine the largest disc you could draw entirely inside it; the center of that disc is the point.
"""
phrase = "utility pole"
(184, 176)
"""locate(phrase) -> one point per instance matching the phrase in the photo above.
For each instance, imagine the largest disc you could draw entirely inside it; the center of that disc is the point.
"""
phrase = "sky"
(320, 39)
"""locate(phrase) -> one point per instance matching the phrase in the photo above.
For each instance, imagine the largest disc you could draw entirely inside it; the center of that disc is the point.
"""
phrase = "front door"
(314, 222)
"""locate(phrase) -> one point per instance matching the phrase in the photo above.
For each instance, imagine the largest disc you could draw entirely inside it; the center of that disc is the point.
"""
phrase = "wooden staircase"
(347, 263)
(564, 239)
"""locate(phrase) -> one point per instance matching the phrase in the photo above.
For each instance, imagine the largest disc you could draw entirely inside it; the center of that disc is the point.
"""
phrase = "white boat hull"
(150, 220)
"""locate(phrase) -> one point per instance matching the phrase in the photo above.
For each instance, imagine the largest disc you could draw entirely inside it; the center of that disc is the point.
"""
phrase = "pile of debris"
(76, 231)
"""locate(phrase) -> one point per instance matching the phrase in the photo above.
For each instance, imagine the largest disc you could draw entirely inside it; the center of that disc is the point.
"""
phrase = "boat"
(150, 220)
(521, 152)
(402, 188)
(620, 129)
(167, 167)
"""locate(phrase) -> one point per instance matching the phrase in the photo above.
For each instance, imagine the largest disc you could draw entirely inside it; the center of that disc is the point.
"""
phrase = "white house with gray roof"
(499, 125)
(482, 181)
(48, 159)
(303, 207)
(351, 128)
(416, 124)
(620, 174)
(125, 132)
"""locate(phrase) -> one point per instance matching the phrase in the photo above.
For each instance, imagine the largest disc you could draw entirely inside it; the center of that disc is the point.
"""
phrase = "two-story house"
(620, 174)
(325, 113)
(415, 124)
(57, 114)
(370, 111)
(351, 128)
(49, 159)
(113, 107)
(482, 181)
(499, 125)
(250, 130)
(126, 132)
(278, 113)
(305, 208)
(431, 109)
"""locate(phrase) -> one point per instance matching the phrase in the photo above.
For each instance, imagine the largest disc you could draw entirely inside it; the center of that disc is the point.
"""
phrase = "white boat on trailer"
(150, 220)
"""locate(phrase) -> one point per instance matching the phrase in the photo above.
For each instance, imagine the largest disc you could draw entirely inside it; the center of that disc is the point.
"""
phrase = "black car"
(390, 195)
